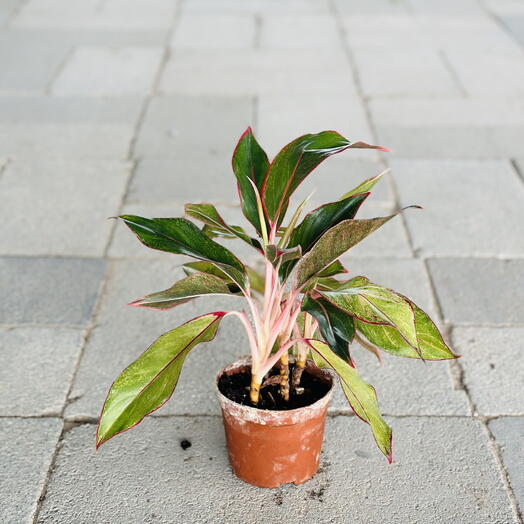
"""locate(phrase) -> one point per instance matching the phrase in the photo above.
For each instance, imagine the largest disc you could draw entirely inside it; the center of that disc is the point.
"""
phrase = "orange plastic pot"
(268, 448)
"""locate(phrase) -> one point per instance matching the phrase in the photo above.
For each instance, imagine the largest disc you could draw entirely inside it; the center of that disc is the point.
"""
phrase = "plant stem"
(300, 364)
(284, 376)
(254, 390)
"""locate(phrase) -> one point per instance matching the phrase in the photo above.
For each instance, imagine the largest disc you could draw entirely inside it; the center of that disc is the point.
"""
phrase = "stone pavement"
(111, 106)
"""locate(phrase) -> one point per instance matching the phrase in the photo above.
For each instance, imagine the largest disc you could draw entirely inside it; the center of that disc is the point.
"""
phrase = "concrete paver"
(30, 445)
(479, 291)
(489, 360)
(146, 475)
(73, 190)
(37, 369)
(49, 290)
(509, 433)
(83, 136)
(452, 225)
(132, 69)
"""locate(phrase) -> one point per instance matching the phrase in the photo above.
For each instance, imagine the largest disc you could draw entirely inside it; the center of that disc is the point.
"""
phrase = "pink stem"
(250, 335)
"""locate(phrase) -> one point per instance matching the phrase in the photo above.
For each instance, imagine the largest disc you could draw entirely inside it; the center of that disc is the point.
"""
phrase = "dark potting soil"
(236, 388)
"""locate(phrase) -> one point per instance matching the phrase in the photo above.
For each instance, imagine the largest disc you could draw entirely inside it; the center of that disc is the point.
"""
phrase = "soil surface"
(236, 388)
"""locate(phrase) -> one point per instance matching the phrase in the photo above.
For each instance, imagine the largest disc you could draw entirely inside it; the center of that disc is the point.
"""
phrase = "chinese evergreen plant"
(302, 305)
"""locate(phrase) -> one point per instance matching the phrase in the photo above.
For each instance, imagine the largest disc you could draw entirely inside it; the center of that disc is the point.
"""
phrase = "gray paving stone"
(70, 215)
(406, 386)
(258, 72)
(195, 176)
(515, 25)
(212, 31)
(27, 447)
(49, 290)
(37, 368)
(392, 73)
(146, 475)
(113, 14)
(7, 9)
(125, 244)
(207, 125)
(381, 30)
(446, 7)
(67, 127)
(376, 7)
(299, 31)
(450, 128)
(451, 193)
(281, 119)
(28, 64)
(122, 333)
(256, 6)
(490, 359)
(509, 433)
(479, 291)
(133, 71)
(490, 73)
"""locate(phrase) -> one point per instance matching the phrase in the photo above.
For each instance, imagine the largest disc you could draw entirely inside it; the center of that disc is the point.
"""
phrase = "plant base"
(268, 448)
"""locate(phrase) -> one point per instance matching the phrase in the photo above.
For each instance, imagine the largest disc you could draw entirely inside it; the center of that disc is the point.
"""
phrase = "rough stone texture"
(49, 290)
(27, 65)
(132, 69)
(82, 137)
(281, 119)
(29, 446)
(106, 355)
(509, 433)
(489, 360)
(69, 191)
(211, 31)
(454, 128)
(419, 73)
(37, 369)
(452, 226)
(182, 177)
(257, 71)
(113, 14)
(299, 31)
(195, 125)
(146, 475)
(67, 127)
(479, 291)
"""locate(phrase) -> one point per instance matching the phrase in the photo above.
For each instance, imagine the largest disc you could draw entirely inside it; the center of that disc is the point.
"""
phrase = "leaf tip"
(384, 149)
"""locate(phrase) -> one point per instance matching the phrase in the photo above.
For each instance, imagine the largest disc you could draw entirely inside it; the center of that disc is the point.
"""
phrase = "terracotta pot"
(268, 448)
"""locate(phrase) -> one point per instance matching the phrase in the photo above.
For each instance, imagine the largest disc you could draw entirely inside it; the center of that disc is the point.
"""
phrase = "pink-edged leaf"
(148, 383)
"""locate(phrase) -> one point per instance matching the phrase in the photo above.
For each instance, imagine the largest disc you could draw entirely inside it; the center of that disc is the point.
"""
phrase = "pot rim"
(273, 416)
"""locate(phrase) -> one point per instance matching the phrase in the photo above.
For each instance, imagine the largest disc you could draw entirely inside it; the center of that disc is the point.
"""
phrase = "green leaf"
(375, 304)
(334, 243)
(294, 163)
(335, 268)
(150, 380)
(276, 254)
(316, 223)
(360, 395)
(179, 235)
(193, 286)
(430, 344)
(256, 280)
(365, 186)
(337, 328)
(249, 163)
(208, 214)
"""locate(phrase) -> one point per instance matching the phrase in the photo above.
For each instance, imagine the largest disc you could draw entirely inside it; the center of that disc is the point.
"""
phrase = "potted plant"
(306, 315)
